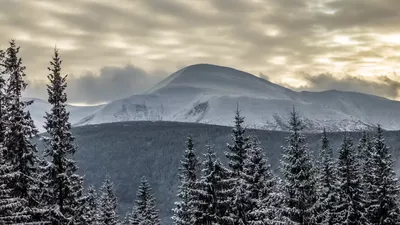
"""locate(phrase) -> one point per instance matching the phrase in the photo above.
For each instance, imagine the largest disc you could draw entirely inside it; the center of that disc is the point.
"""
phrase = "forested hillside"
(129, 150)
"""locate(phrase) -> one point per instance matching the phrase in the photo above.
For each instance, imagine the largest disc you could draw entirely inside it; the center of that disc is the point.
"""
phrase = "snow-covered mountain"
(209, 94)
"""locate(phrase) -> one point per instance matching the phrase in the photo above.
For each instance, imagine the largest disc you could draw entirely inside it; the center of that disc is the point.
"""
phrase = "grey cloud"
(383, 86)
(110, 84)
(140, 32)
(234, 6)
(363, 12)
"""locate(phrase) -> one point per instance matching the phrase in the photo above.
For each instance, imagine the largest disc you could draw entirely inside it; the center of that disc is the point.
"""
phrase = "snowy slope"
(208, 94)
(39, 107)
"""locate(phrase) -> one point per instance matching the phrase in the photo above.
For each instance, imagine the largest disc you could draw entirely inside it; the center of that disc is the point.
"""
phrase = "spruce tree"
(350, 208)
(20, 152)
(89, 214)
(127, 219)
(107, 207)
(236, 157)
(204, 201)
(260, 187)
(240, 146)
(328, 195)
(132, 218)
(64, 187)
(9, 206)
(365, 156)
(260, 182)
(183, 212)
(224, 192)
(214, 192)
(270, 211)
(2, 98)
(145, 205)
(384, 206)
(299, 177)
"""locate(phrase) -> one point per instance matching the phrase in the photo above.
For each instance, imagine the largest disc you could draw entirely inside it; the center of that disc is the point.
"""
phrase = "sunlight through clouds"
(391, 39)
(285, 38)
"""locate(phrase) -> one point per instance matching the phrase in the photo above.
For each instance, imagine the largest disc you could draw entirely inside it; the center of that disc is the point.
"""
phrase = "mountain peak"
(210, 71)
(220, 79)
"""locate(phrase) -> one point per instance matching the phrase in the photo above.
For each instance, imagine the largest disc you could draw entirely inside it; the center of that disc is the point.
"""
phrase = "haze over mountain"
(205, 93)
(40, 106)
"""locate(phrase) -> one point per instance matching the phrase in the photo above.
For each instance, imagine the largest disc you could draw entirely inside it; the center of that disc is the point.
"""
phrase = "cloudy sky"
(113, 49)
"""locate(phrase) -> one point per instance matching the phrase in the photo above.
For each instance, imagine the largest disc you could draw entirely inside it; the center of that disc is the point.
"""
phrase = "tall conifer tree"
(328, 193)
(2, 98)
(384, 206)
(260, 182)
(205, 198)
(365, 155)
(9, 206)
(183, 212)
(299, 178)
(350, 209)
(64, 187)
(89, 213)
(236, 156)
(214, 192)
(145, 205)
(107, 208)
(261, 187)
(20, 152)
(239, 147)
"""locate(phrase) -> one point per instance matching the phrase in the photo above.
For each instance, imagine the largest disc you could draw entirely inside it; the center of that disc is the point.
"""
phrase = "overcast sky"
(113, 49)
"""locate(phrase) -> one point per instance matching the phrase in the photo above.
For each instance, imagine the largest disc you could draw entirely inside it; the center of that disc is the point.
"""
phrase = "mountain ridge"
(206, 93)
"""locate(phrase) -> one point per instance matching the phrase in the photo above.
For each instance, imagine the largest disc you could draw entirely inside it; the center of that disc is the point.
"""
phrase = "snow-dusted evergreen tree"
(204, 201)
(365, 155)
(236, 157)
(132, 218)
(214, 192)
(239, 147)
(2, 98)
(63, 194)
(89, 213)
(224, 192)
(20, 152)
(328, 195)
(127, 219)
(350, 208)
(145, 205)
(107, 205)
(9, 206)
(384, 206)
(260, 187)
(183, 212)
(260, 181)
(299, 178)
(135, 218)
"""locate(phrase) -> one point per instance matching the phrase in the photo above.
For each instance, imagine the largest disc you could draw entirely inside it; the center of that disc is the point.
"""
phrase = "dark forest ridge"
(129, 150)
